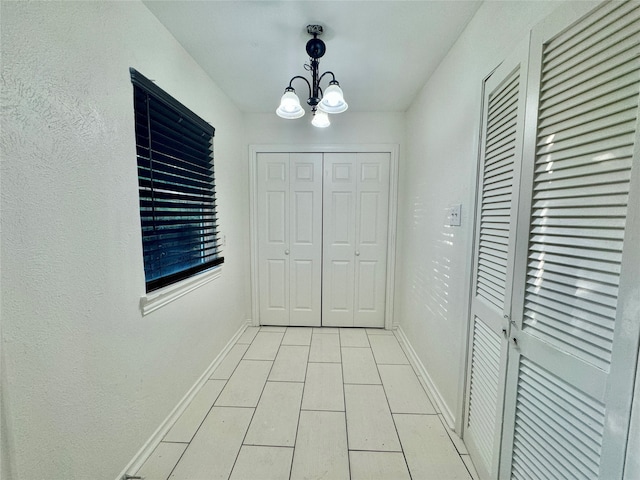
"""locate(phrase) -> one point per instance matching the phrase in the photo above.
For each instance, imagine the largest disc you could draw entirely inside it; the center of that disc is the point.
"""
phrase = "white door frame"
(390, 148)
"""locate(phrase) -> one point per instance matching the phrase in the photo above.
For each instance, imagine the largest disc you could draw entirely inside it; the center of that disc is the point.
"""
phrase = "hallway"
(306, 403)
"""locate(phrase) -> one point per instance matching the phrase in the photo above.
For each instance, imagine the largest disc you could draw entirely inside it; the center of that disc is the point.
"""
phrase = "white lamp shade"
(290, 106)
(320, 119)
(333, 100)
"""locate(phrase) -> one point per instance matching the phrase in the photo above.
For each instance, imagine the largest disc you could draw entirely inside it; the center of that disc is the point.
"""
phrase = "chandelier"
(322, 103)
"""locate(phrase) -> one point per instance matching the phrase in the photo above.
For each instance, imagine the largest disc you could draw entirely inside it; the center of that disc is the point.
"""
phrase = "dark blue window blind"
(176, 186)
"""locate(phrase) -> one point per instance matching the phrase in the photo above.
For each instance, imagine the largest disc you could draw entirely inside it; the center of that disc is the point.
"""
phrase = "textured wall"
(439, 169)
(87, 379)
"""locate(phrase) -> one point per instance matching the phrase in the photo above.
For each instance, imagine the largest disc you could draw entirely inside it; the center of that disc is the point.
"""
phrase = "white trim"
(432, 391)
(392, 236)
(391, 148)
(253, 232)
(150, 445)
(153, 301)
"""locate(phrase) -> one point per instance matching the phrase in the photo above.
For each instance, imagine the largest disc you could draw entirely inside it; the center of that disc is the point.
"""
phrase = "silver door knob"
(357, 253)
(286, 252)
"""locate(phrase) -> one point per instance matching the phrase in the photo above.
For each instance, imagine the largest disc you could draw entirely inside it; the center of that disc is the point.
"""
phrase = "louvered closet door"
(574, 344)
(500, 160)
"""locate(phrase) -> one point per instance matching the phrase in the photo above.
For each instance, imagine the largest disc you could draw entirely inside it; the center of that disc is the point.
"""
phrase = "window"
(176, 185)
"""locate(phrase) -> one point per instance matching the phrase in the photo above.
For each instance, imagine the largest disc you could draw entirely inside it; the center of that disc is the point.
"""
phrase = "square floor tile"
(429, 452)
(358, 366)
(245, 385)
(264, 346)
(323, 387)
(230, 362)
(378, 466)
(325, 330)
(297, 336)
(321, 447)
(369, 422)
(264, 463)
(290, 364)
(386, 350)
(276, 419)
(404, 390)
(353, 337)
(248, 335)
(325, 348)
(213, 451)
(161, 462)
(185, 427)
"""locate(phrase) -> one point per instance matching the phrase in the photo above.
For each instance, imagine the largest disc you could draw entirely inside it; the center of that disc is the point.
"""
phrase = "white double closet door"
(322, 228)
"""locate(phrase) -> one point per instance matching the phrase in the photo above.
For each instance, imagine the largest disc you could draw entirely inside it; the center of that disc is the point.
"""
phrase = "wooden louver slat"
(588, 114)
(484, 386)
(556, 422)
(497, 187)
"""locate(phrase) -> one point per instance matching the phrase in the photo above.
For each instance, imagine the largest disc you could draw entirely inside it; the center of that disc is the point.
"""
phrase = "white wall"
(438, 170)
(346, 128)
(87, 379)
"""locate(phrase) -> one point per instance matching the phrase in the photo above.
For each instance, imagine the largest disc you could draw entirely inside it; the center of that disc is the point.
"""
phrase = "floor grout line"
(257, 403)
(384, 390)
(344, 399)
(294, 448)
(304, 386)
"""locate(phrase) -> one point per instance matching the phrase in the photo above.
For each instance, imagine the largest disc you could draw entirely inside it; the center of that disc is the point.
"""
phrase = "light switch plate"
(454, 216)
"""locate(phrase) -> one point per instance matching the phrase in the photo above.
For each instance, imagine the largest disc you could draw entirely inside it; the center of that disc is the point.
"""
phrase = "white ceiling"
(382, 52)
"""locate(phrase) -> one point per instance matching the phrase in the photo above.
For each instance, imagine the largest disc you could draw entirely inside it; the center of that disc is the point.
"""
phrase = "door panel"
(277, 298)
(306, 239)
(273, 228)
(339, 239)
(367, 290)
(302, 219)
(356, 209)
(276, 217)
(372, 212)
(341, 296)
(341, 220)
(289, 238)
(494, 253)
(302, 294)
(369, 218)
(574, 341)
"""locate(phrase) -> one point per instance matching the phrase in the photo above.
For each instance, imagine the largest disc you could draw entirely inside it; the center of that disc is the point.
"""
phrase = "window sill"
(155, 300)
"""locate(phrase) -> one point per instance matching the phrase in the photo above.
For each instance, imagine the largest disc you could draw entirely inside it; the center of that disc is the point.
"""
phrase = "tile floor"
(310, 403)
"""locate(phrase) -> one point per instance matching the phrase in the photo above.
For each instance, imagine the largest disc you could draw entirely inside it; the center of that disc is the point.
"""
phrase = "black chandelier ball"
(316, 48)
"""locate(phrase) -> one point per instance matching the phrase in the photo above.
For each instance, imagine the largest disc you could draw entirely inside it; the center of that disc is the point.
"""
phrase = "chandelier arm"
(325, 73)
(306, 81)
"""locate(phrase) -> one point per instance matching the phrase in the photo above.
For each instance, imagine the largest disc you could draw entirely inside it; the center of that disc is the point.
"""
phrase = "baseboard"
(430, 387)
(150, 445)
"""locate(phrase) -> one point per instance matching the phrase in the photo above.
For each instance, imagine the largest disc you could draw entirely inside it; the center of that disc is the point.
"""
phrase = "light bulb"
(320, 119)
(333, 100)
(290, 105)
